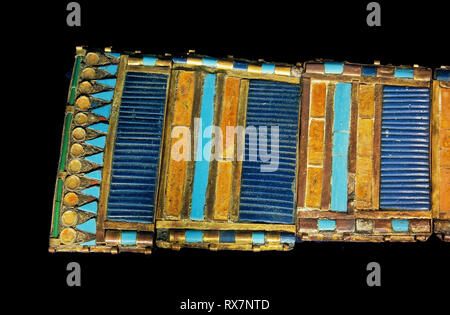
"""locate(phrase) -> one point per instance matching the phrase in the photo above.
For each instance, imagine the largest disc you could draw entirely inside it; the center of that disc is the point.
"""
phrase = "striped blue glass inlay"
(341, 134)
(267, 190)
(135, 162)
(400, 225)
(405, 142)
(194, 236)
(201, 172)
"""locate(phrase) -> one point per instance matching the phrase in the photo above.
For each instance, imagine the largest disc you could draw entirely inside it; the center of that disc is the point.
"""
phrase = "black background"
(321, 276)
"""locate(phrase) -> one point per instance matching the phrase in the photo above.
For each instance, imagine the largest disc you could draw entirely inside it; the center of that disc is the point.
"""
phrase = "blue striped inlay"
(135, 165)
(258, 238)
(95, 175)
(227, 236)
(129, 237)
(201, 172)
(400, 225)
(341, 134)
(266, 191)
(96, 158)
(103, 111)
(443, 75)
(209, 62)
(405, 149)
(287, 238)
(404, 73)
(268, 68)
(98, 142)
(149, 61)
(194, 236)
(93, 191)
(88, 226)
(108, 82)
(370, 71)
(326, 225)
(89, 207)
(334, 67)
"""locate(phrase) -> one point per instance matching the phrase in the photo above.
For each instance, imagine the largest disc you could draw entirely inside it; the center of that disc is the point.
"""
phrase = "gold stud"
(70, 199)
(88, 74)
(92, 58)
(80, 118)
(75, 166)
(76, 150)
(69, 218)
(68, 235)
(72, 182)
(85, 87)
(83, 102)
(79, 133)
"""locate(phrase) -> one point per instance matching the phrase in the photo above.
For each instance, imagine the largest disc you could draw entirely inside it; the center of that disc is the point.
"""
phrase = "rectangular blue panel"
(268, 196)
(209, 62)
(258, 238)
(135, 162)
(326, 225)
(405, 142)
(201, 172)
(227, 236)
(443, 75)
(404, 73)
(341, 134)
(149, 61)
(370, 71)
(267, 68)
(240, 65)
(334, 67)
(400, 225)
(129, 237)
(194, 236)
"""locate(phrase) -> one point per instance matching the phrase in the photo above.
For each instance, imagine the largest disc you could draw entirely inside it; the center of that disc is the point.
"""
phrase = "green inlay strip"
(62, 162)
(56, 218)
(74, 80)
(59, 189)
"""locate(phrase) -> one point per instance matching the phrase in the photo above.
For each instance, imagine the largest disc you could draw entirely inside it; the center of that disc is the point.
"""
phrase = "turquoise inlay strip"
(107, 82)
(194, 236)
(93, 191)
(209, 62)
(400, 225)
(95, 175)
(258, 238)
(149, 61)
(100, 127)
(88, 226)
(89, 243)
(89, 207)
(129, 237)
(103, 111)
(202, 164)
(98, 142)
(404, 73)
(107, 95)
(326, 225)
(268, 68)
(334, 67)
(341, 128)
